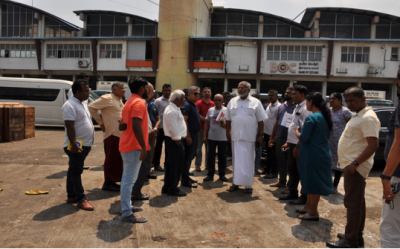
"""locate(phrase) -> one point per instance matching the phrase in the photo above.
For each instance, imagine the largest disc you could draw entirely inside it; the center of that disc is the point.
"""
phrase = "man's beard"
(242, 95)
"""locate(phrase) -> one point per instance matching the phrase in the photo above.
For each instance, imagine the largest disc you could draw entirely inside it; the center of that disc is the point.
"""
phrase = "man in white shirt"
(78, 128)
(244, 127)
(175, 131)
(271, 167)
(300, 113)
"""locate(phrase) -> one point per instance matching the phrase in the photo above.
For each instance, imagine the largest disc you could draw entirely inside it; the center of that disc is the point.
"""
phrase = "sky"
(149, 8)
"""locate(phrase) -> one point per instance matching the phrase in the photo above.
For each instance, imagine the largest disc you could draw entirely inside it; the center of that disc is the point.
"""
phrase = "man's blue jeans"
(131, 170)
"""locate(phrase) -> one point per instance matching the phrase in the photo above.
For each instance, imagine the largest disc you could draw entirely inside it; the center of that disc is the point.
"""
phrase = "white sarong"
(390, 222)
(243, 155)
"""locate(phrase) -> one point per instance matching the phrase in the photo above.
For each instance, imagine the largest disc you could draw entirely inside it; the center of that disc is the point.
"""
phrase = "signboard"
(295, 67)
(372, 94)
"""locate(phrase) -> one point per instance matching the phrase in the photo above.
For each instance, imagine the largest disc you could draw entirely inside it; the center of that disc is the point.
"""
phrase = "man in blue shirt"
(193, 125)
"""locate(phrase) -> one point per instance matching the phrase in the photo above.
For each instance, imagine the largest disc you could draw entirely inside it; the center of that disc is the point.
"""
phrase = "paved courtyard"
(208, 217)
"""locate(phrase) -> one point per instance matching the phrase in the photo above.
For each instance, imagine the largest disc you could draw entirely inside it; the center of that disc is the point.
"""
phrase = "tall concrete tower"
(178, 20)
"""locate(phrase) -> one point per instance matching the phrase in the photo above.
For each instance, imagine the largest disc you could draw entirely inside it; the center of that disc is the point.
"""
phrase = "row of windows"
(30, 94)
(54, 28)
(110, 50)
(17, 51)
(294, 53)
(355, 54)
(68, 51)
(18, 22)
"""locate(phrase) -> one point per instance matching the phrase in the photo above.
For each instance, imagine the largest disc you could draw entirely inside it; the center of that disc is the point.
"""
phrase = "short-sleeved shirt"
(353, 141)
(74, 110)
(216, 132)
(300, 112)
(161, 103)
(269, 122)
(203, 108)
(135, 107)
(394, 122)
(153, 112)
(282, 131)
(189, 110)
(244, 116)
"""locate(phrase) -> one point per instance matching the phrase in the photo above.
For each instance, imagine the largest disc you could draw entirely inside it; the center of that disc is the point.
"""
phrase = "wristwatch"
(355, 163)
(383, 176)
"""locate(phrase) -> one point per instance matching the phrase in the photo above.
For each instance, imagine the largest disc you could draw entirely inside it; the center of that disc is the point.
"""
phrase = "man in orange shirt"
(133, 145)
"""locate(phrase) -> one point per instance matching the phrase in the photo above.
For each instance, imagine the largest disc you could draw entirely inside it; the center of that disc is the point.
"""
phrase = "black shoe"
(191, 173)
(360, 239)
(116, 185)
(140, 197)
(288, 197)
(208, 179)
(271, 176)
(86, 167)
(340, 244)
(223, 178)
(110, 187)
(179, 193)
(263, 172)
(158, 168)
(192, 180)
(299, 201)
(190, 185)
(152, 176)
(164, 191)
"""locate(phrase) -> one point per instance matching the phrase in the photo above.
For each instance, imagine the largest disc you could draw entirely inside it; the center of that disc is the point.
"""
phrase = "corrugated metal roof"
(73, 26)
(267, 15)
(81, 38)
(293, 39)
(116, 13)
(309, 14)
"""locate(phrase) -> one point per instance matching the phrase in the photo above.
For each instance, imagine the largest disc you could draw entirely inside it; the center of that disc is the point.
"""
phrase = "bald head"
(218, 100)
(150, 90)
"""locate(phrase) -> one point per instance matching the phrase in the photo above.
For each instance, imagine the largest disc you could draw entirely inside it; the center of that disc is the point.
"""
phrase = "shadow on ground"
(115, 230)
(99, 168)
(99, 194)
(56, 212)
(311, 231)
(237, 196)
(335, 199)
(58, 175)
(161, 201)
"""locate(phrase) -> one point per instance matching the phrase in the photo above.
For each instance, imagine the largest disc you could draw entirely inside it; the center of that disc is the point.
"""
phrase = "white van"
(46, 95)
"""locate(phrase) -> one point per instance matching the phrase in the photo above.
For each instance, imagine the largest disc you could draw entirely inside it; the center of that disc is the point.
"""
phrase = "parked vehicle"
(46, 95)
(383, 113)
(379, 102)
(101, 92)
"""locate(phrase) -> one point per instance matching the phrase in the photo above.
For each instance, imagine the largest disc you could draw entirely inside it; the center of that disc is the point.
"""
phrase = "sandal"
(233, 188)
(248, 191)
(307, 216)
(137, 209)
(138, 219)
(301, 210)
(36, 192)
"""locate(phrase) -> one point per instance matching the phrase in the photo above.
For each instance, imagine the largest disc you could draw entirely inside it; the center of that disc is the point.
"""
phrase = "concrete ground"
(208, 217)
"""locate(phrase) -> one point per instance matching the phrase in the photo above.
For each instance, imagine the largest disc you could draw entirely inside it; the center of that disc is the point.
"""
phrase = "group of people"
(303, 137)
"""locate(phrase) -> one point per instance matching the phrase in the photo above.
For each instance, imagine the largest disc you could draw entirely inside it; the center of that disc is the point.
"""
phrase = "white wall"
(18, 63)
(107, 64)
(241, 53)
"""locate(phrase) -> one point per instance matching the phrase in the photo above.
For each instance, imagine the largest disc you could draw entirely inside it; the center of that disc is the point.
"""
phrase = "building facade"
(330, 50)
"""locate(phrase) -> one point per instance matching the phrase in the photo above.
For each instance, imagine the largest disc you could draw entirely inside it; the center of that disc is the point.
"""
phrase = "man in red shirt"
(133, 145)
(202, 106)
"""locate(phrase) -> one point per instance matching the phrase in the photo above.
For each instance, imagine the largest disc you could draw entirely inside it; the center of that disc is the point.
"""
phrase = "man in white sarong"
(244, 127)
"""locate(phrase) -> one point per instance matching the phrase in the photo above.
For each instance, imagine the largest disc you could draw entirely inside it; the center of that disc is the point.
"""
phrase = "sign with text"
(295, 67)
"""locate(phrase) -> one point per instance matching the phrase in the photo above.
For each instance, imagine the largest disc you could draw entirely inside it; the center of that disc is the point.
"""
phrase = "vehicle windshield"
(94, 96)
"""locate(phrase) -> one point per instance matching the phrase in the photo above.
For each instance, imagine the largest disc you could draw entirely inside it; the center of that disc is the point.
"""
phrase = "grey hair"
(116, 84)
(273, 91)
(177, 94)
(248, 85)
(192, 89)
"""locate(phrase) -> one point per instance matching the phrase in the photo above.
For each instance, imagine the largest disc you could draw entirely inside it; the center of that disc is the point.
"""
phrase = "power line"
(132, 7)
(177, 12)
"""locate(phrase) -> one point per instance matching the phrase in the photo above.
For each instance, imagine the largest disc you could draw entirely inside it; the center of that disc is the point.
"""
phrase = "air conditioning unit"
(83, 63)
(215, 58)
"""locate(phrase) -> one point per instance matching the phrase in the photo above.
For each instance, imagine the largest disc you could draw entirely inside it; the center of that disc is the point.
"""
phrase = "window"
(111, 51)
(55, 28)
(355, 54)
(208, 51)
(18, 22)
(340, 25)
(106, 25)
(279, 29)
(31, 94)
(68, 51)
(233, 24)
(17, 51)
(394, 54)
(294, 53)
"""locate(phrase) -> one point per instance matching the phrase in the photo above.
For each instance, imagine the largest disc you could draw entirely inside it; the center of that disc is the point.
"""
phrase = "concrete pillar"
(261, 26)
(49, 76)
(129, 21)
(258, 83)
(292, 82)
(359, 84)
(226, 84)
(394, 94)
(23, 76)
(374, 21)
(324, 88)
(179, 20)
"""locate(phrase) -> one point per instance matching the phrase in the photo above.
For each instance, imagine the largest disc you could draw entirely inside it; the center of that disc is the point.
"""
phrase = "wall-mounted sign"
(297, 67)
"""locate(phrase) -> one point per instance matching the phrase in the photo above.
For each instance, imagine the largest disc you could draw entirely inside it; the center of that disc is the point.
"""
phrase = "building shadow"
(99, 194)
(311, 231)
(58, 175)
(56, 212)
(237, 196)
(335, 199)
(164, 200)
(115, 230)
